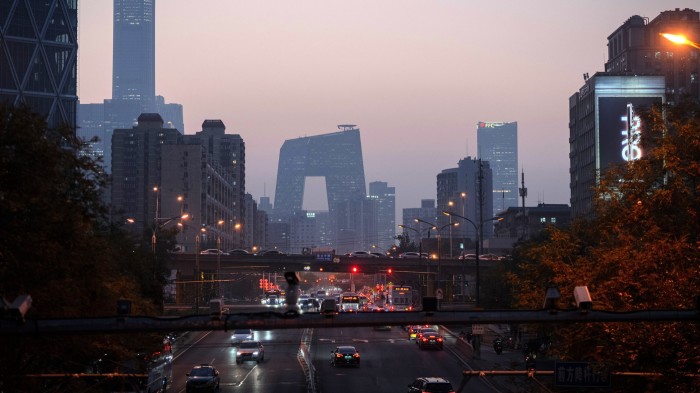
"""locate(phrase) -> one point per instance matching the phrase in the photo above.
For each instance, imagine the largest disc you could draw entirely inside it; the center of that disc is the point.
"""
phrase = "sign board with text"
(478, 329)
(581, 375)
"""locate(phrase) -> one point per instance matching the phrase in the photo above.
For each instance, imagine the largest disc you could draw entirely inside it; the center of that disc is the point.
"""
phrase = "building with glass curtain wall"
(38, 54)
(498, 144)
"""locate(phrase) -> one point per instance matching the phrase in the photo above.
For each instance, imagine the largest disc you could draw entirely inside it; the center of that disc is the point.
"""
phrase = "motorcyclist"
(498, 345)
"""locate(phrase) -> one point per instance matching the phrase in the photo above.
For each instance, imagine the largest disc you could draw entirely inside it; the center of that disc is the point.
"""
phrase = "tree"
(640, 251)
(57, 246)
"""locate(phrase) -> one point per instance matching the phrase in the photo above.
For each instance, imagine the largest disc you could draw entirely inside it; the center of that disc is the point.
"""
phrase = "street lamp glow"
(679, 39)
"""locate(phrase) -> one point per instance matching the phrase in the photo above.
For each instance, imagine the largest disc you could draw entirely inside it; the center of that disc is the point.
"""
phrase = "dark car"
(430, 385)
(422, 330)
(250, 350)
(271, 253)
(430, 339)
(238, 251)
(345, 356)
(202, 378)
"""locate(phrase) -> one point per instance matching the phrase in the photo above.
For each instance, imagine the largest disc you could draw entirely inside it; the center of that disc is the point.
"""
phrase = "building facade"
(520, 223)
(604, 130)
(498, 144)
(637, 47)
(466, 190)
(38, 58)
(386, 214)
(426, 212)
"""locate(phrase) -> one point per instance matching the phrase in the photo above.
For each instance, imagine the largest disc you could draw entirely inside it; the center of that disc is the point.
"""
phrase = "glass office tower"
(498, 144)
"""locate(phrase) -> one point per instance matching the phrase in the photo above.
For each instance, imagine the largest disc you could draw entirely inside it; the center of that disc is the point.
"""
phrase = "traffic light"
(354, 269)
(389, 271)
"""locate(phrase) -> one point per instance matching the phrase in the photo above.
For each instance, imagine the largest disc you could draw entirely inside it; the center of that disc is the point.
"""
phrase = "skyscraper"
(386, 215)
(498, 144)
(134, 51)
(133, 80)
(38, 54)
(336, 156)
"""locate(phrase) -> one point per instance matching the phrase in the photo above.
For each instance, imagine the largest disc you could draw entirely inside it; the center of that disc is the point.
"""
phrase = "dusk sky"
(415, 76)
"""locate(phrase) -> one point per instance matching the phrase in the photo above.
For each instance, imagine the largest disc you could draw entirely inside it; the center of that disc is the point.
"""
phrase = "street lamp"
(680, 40)
(196, 263)
(220, 224)
(476, 228)
(439, 239)
(450, 204)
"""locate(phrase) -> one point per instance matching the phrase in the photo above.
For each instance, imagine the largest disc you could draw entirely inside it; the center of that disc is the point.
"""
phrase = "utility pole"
(523, 193)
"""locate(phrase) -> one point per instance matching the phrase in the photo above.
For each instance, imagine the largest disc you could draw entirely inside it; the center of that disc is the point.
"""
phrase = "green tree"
(640, 251)
(57, 246)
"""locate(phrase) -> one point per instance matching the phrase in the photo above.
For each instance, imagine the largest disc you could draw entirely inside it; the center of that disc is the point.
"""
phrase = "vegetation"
(640, 251)
(57, 245)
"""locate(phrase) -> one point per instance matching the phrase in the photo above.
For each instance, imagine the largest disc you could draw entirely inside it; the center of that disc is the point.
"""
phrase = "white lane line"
(246, 376)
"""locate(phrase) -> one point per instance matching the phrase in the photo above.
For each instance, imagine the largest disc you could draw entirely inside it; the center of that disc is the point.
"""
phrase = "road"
(389, 362)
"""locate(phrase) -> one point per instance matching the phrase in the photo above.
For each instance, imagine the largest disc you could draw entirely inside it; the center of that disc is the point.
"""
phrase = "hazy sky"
(415, 76)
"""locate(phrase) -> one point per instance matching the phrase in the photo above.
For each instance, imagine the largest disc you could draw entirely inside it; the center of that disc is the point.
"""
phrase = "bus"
(402, 298)
(349, 302)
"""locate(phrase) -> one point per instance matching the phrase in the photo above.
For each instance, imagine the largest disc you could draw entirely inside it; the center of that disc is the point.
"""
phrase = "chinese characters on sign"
(580, 374)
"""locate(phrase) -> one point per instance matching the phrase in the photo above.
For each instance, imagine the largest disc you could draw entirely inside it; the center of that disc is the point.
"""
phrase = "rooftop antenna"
(523, 193)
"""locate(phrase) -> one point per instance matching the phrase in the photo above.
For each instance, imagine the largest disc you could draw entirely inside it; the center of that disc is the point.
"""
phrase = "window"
(553, 220)
(543, 220)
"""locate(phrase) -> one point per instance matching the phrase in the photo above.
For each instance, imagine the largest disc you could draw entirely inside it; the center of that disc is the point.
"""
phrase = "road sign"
(478, 329)
(438, 293)
(581, 375)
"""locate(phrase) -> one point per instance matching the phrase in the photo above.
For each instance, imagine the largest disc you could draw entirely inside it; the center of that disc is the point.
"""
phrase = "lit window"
(553, 220)
(543, 220)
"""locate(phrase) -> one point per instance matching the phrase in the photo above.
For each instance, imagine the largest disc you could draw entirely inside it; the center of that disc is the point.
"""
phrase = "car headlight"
(238, 353)
(255, 353)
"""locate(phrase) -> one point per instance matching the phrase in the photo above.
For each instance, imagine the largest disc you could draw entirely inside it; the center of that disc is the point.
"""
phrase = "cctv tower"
(337, 157)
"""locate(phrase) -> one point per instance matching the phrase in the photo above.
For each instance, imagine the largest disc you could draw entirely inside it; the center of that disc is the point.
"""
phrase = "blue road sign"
(581, 375)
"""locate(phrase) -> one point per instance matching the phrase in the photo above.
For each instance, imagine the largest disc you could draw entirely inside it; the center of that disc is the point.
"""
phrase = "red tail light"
(357, 355)
(440, 339)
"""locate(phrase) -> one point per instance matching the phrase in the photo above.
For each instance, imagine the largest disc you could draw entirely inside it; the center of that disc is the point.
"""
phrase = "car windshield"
(439, 387)
(241, 332)
(201, 372)
(249, 345)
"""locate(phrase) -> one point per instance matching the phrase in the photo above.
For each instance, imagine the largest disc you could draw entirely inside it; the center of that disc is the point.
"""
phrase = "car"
(250, 350)
(467, 257)
(430, 339)
(430, 385)
(213, 251)
(238, 251)
(202, 378)
(271, 253)
(361, 254)
(240, 335)
(413, 255)
(413, 331)
(378, 254)
(423, 330)
(345, 356)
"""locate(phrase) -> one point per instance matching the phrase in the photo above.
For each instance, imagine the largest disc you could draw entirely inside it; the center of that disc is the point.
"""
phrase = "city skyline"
(415, 77)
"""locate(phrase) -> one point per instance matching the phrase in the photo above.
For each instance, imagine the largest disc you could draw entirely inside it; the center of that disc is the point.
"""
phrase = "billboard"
(619, 128)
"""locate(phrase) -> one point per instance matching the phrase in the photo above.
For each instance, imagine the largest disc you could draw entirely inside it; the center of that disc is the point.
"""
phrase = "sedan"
(430, 339)
(250, 350)
(413, 255)
(240, 335)
(361, 254)
(345, 356)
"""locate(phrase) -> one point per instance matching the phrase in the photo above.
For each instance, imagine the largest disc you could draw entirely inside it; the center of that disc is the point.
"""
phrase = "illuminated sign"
(490, 124)
(310, 215)
(402, 289)
(619, 129)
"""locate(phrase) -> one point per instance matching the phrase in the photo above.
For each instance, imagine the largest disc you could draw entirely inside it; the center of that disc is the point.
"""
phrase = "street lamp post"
(420, 248)
(197, 278)
(220, 223)
(439, 239)
(476, 228)
(450, 204)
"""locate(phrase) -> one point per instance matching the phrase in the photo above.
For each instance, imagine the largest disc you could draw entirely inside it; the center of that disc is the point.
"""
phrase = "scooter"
(498, 346)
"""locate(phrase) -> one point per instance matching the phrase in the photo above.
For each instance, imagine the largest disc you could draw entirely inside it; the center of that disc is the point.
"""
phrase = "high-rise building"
(386, 214)
(134, 50)
(337, 157)
(466, 190)
(637, 47)
(498, 144)
(133, 80)
(38, 55)
(604, 129)
(426, 212)
(159, 174)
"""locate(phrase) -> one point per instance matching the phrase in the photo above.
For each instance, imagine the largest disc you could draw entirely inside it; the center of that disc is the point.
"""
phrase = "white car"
(240, 335)
(361, 254)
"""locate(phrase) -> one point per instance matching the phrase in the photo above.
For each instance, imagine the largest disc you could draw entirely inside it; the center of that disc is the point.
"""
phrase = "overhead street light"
(680, 40)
